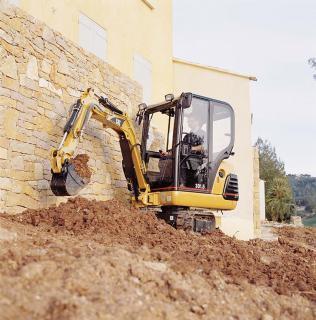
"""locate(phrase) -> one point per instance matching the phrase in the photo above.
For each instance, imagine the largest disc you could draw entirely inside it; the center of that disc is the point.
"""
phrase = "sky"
(271, 40)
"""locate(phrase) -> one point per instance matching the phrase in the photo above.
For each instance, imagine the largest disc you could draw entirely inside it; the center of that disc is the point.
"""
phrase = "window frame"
(97, 32)
(140, 60)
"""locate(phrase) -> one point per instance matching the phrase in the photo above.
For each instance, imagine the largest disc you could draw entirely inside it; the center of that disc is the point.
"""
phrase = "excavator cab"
(199, 135)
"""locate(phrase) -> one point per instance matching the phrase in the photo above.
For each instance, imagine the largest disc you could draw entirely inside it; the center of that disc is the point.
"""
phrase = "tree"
(278, 192)
(312, 62)
(279, 201)
(304, 190)
(270, 165)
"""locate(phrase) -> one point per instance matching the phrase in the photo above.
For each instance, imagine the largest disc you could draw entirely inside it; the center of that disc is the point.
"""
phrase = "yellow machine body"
(211, 193)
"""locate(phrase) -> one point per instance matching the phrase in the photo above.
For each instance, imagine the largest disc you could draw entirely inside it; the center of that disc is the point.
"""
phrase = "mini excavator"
(179, 170)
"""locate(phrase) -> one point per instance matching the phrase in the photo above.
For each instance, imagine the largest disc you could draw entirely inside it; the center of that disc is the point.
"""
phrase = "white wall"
(233, 89)
(14, 2)
(262, 200)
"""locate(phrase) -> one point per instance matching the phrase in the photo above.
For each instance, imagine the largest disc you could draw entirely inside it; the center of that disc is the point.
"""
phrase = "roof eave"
(199, 65)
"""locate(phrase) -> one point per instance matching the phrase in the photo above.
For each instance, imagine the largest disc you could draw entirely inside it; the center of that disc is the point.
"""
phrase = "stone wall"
(41, 75)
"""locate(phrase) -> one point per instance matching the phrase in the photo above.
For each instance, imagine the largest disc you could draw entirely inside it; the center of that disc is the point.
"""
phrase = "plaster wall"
(234, 89)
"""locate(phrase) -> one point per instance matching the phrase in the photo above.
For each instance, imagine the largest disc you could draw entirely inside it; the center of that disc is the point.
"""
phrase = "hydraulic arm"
(65, 180)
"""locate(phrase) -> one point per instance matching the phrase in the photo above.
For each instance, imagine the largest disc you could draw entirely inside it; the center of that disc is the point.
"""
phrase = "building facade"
(135, 37)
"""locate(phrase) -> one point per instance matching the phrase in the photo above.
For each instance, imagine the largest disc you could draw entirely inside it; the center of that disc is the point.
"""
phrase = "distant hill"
(304, 190)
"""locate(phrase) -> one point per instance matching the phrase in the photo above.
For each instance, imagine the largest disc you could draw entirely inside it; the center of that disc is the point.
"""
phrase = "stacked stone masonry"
(41, 75)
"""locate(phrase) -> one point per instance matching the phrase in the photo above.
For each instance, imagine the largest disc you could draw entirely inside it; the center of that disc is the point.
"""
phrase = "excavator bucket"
(68, 182)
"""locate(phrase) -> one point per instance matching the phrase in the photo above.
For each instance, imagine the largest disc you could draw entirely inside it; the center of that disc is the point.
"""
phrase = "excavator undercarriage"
(189, 219)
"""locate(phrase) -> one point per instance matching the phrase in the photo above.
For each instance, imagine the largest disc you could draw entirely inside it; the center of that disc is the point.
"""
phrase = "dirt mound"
(303, 235)
(80, 163)
(52, 276)
(286, 266)
(104, 221)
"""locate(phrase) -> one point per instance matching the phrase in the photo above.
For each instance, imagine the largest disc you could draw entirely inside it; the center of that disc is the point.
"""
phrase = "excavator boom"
(65, 180)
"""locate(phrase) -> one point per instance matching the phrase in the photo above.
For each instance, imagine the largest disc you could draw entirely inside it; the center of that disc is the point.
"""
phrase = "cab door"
(222, 135)
(195, 143)
(207, 137)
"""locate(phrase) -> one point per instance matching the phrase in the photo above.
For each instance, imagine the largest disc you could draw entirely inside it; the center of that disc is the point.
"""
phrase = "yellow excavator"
(179, 170)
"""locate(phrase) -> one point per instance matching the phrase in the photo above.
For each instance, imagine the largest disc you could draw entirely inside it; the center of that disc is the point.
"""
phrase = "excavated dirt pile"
(80, 163)
(104, 260)
(301, 235)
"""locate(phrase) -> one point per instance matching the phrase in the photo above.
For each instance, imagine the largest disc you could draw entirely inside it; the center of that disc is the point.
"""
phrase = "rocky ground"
(102, 260)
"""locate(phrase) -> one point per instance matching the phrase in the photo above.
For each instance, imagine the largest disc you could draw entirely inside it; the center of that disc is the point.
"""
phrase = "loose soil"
(305, 236)
(103, 260)
(80, 163)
